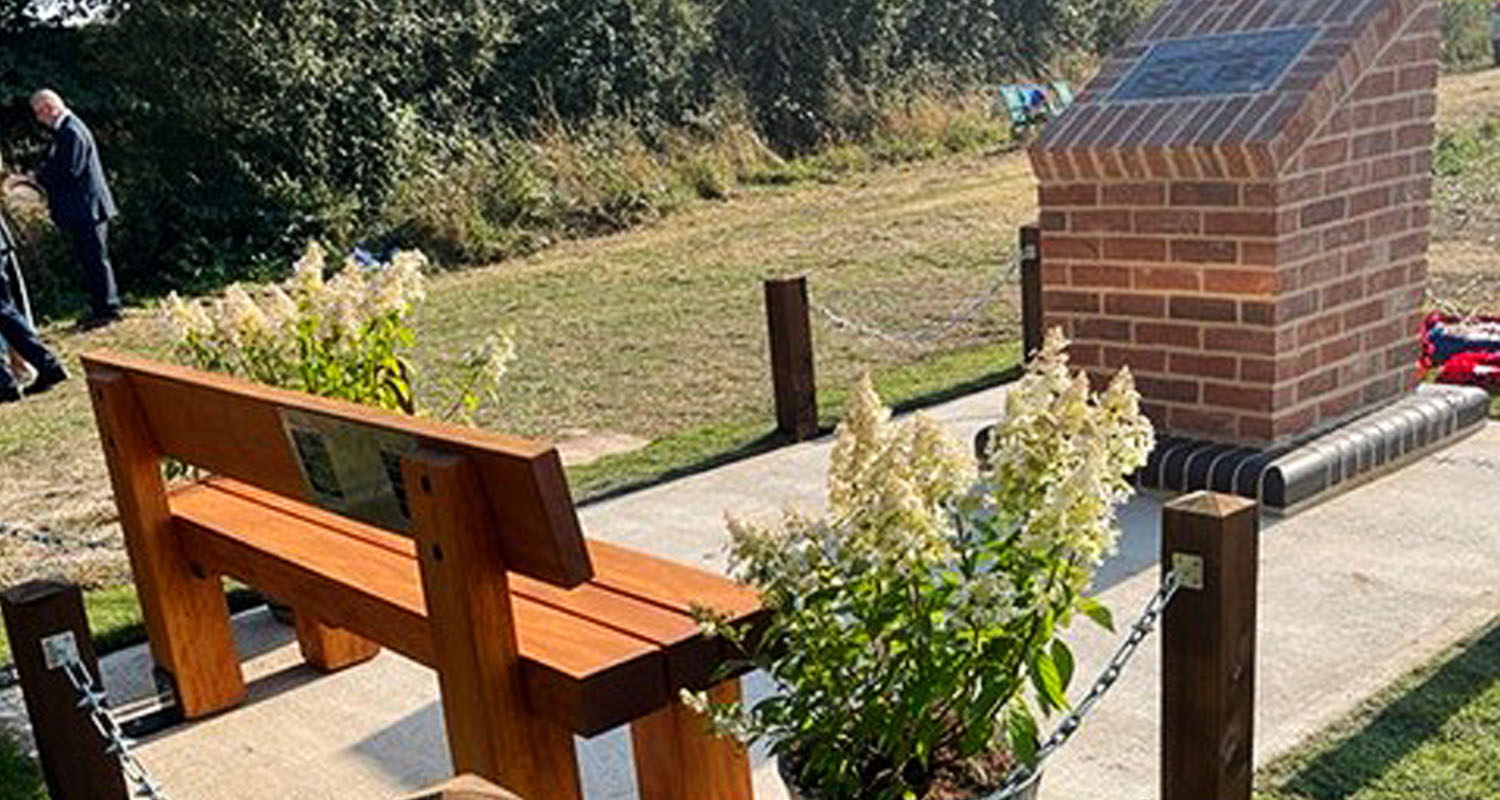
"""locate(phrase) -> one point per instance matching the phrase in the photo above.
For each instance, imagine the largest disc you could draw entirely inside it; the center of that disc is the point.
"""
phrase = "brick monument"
(1237, 207)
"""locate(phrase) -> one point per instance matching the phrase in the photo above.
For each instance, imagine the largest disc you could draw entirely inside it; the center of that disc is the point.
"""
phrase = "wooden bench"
(484, 575)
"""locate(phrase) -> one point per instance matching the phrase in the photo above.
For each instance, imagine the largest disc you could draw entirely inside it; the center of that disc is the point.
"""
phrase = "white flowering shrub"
(343, 337)
(907, 621)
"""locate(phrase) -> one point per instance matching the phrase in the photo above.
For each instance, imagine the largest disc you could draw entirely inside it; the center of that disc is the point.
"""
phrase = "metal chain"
(91, 698)
(966, 313)
(1106, 680)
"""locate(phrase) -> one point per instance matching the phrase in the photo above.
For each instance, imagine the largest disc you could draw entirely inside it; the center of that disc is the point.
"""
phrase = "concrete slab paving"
(1354, 592)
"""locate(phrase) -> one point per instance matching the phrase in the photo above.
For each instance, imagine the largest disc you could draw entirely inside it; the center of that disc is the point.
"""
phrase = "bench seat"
(593, 657)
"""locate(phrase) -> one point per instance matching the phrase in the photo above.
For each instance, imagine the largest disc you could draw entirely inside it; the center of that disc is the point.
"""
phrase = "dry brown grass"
(1465, 256)
(1468, 98)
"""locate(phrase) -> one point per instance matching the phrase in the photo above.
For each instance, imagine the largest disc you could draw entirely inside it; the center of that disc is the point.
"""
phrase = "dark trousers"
(19, 335)
(91, 245)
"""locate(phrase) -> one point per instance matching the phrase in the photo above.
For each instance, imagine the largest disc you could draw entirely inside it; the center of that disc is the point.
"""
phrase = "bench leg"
(677, 758)
(329, 649)
(491, 730)
(187, 620)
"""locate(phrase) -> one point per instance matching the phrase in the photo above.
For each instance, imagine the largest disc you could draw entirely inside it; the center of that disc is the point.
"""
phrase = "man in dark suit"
(80, 202)
(17, 332)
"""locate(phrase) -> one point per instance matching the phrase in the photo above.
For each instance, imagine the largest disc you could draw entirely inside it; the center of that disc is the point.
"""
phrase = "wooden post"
(677, 758)
(491, 731)
(1208, 649)
(186, 617)
(792, 357)
(74, 763)
(1031, 290)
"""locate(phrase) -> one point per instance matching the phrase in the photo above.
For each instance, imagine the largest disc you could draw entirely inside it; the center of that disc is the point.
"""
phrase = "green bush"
(235, 130)
(571, 61)
(1459, 152)
(1466, 35)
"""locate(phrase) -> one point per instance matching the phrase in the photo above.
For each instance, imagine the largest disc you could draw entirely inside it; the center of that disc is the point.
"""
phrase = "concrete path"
(1354, 592)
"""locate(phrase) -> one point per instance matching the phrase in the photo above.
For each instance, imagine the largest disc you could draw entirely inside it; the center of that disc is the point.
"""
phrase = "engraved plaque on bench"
(1240, 63)
(350, 468)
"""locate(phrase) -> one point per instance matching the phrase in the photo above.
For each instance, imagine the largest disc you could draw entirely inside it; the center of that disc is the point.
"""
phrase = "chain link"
(967, 312)
(91, 698)
(1106, 680)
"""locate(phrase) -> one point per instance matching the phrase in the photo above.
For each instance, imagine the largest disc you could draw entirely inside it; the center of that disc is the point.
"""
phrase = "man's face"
(46, 113)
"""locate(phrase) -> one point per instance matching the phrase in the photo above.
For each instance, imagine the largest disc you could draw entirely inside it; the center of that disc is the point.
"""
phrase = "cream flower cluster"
(339, 337)
(1058, 462)
(907, 495)
(909, 617)
(335, 309)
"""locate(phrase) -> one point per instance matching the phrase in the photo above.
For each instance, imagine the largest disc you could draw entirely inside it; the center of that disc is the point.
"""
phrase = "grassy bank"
(114, 613)
(1431, 735)
(657, 333)
(19, 777)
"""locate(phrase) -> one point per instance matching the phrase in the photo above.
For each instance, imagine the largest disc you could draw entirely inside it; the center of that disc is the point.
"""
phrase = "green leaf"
(1048, 682)
(1021, 730)
(1096, 611)
(1063, 657)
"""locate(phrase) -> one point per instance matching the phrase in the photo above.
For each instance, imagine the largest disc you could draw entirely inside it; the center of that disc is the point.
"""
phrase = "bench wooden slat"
(354, 589)
(668, 583)
(620, 596)
(581, 673)
(232, 427)
(257, 537)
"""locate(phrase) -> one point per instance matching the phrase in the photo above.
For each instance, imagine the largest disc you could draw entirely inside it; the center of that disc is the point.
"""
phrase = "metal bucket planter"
(1025, 790)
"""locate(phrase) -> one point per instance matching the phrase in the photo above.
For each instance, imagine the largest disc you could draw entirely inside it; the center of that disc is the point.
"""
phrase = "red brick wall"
(1254, 304)
(1353, 247)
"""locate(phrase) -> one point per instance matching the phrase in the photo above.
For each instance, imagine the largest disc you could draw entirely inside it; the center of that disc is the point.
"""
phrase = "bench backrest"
(285, 442)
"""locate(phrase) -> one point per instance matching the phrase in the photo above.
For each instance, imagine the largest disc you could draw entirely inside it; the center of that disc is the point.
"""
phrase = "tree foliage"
(1466, 35)
(235, 130)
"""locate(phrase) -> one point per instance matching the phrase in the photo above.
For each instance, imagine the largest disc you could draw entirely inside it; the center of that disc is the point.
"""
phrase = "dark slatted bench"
(484, 575)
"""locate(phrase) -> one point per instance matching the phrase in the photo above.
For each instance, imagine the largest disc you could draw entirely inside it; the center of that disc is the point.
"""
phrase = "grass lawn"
(1435, 735)
(114, 613)
(20, 779)
(657, 333)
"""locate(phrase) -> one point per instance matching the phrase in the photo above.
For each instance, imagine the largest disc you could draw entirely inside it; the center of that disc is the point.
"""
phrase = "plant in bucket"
(913, 643)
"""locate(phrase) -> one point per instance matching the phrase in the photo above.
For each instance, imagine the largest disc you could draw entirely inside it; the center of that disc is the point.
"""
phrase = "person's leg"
(91, 243)
(22, 338)
(10, 386)
(10, 391)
